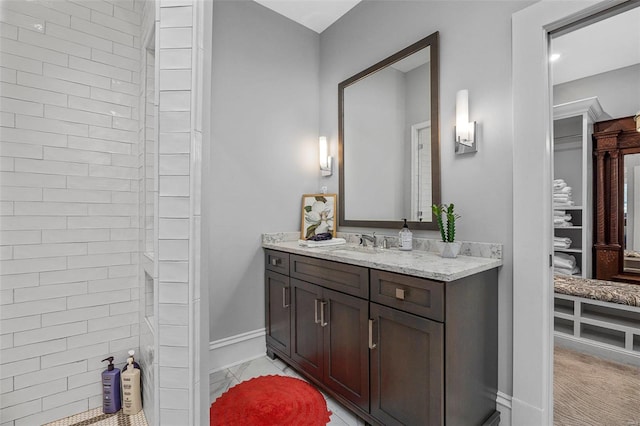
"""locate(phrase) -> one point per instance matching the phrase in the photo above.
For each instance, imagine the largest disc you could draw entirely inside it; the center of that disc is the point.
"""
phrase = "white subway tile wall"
(148, 193)
(72, 160)
(69, 238)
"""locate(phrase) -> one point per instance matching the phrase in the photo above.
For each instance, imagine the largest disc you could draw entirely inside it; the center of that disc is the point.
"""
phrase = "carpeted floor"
(589, 391)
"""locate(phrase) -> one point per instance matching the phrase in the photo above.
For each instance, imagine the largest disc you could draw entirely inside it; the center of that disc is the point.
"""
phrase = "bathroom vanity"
(399, 338)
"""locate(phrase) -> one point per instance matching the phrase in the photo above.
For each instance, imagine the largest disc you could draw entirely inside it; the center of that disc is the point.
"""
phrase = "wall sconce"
(465, 131)
(637, 120)
(326, 161)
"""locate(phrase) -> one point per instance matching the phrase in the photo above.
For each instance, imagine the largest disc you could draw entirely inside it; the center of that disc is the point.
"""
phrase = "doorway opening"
(594, 68)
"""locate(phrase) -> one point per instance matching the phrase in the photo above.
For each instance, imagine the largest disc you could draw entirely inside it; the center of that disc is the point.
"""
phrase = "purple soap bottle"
(111, 402)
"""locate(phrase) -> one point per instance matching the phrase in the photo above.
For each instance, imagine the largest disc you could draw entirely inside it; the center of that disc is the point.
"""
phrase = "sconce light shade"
(465, 131)
(637, 120)
(326, 163)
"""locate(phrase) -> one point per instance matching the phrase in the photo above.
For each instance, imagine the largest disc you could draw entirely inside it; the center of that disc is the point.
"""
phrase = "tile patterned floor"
(96, 417)
(221, 381)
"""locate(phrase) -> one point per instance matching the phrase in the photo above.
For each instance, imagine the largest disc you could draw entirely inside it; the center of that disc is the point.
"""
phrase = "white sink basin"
(359, 249)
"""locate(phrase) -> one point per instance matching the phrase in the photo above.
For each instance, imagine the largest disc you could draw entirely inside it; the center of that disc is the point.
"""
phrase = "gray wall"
(471, 33)
(618, 91)
(264, 151)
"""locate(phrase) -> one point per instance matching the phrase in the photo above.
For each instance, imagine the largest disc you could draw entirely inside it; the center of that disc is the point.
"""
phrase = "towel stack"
(561, 218)
(561, 242)
(565, 264)
(561, 194)
(322, 243)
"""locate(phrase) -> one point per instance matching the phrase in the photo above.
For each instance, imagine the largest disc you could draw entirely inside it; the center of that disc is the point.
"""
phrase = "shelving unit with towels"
(573, 162)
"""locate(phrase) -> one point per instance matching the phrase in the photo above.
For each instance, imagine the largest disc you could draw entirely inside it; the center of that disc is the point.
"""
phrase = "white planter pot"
(450, 250)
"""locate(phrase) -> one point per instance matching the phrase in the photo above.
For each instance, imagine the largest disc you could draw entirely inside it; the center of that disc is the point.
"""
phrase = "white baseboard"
(234, 350)
(601, 350)
(503, 402)
(527, 415)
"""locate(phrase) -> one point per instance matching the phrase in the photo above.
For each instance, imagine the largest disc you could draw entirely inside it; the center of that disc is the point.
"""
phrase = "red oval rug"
(270, 401)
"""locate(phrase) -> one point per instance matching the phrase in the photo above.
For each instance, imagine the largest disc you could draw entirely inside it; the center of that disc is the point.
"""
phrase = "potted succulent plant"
(448, 247)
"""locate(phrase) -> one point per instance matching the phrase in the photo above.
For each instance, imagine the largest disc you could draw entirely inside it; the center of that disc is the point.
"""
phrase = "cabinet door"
(306, 333)
(346, 355)
(278, 321)
(407, 368)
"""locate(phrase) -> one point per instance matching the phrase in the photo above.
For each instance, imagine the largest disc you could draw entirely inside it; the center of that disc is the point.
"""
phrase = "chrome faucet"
(364, 238)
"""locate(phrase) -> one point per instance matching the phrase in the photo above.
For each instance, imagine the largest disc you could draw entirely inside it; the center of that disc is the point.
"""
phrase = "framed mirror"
(631, 211)
(617, 200)
(389, 144)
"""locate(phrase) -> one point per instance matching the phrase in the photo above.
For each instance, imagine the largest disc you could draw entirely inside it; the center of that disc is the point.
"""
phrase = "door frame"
(532, 394)
(415, 169)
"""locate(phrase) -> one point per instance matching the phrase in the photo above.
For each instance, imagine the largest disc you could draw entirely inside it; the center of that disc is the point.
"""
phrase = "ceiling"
(314, 14)
(606, 45)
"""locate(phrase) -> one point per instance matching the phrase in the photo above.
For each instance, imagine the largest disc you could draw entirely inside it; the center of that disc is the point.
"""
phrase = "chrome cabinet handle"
(275, 261)
(322, 322)
(400, 293)
(284, 297)
(316, 311)
(371, 344)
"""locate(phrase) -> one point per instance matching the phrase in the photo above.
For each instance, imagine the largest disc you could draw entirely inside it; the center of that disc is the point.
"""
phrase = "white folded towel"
(567, 271)
(561, 196)
(561, 243)
(563, 239)
(564, 224)
(563, 260)
(561, 204)
(324, 243)
(559, 212)
(565, 190)
(559, 183)
(557, 220)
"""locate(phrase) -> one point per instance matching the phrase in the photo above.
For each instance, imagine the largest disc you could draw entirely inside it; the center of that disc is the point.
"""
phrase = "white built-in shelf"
(573, 162)
(610, 330)
(567, 208)
(569, 250)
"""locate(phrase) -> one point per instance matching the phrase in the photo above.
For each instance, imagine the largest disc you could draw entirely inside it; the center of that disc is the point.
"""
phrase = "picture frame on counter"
(318, 215)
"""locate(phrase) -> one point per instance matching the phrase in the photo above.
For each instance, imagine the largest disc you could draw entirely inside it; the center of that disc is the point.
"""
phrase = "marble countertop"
(419, 263)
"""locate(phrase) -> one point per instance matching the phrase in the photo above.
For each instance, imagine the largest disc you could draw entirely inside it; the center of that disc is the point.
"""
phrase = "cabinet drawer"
(276, 261)
(348, 279)
(418, 296)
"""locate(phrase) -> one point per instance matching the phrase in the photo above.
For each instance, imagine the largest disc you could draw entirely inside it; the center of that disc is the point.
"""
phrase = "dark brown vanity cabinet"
(278, 301)
(406, 368)
(278, 320)
(329, 339)
(395, 349)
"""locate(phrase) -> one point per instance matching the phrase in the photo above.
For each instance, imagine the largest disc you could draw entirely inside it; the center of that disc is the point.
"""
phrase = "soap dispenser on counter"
(110, 388)
(406, 237)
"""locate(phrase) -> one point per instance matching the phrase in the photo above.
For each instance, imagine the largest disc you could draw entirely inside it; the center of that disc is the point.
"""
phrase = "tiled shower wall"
(178, 210)
(147, 198)
(69, 237)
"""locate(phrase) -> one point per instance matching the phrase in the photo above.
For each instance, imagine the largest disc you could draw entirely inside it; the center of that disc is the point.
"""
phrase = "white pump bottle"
(131, 398)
